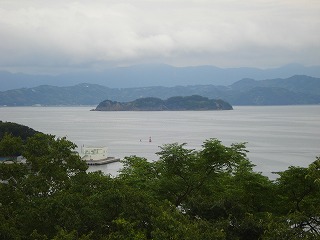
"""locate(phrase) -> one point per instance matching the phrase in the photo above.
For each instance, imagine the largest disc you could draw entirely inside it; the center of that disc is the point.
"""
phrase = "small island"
(179, 103)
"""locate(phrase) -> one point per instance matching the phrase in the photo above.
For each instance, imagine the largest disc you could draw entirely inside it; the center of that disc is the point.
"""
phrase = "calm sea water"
(276, 136)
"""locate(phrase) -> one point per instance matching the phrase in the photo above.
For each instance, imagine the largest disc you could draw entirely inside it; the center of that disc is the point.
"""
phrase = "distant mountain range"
(154, 75)
(297, 89)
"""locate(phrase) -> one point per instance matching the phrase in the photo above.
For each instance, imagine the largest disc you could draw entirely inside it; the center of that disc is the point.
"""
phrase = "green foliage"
(12, 136)
(210, 193)
(299, 194)
(10, 146)
(149, 102)
(29, 191)
(194, 102)
(16, 130)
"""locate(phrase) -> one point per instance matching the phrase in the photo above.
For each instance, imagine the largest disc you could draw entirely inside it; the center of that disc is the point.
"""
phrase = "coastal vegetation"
(16, 130)
(12, 136)
(178, 103)
(209, 193)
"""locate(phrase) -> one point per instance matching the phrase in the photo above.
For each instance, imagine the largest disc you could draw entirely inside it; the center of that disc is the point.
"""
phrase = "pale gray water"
(277, 136)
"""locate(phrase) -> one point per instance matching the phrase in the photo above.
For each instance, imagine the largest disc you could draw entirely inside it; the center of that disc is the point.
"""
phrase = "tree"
(27, 191)
(52, 162)
(184, 172)
(10, 146)
(299, 194)
(16, 130)
(211, 186)
(210, 193)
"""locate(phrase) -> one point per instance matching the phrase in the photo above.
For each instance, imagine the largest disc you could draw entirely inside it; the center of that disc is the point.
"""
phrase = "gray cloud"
(228, 33)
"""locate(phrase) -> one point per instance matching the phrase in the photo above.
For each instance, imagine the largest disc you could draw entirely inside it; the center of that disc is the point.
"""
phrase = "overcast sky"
(46, 35)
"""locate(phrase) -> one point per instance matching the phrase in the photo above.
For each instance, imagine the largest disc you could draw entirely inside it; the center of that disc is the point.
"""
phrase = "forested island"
(209, 193)
(178, 103)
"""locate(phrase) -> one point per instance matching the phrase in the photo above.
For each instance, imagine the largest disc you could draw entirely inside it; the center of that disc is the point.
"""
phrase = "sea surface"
(277, 136)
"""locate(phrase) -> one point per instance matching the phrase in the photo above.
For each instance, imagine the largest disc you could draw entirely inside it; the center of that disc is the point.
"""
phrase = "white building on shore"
(96, 155)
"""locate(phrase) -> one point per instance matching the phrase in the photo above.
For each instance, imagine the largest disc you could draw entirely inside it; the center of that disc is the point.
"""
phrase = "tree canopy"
(210, 193)
(11, 137)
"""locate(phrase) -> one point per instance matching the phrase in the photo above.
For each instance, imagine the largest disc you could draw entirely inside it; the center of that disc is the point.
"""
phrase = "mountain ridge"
(297, 89)
(154, 75)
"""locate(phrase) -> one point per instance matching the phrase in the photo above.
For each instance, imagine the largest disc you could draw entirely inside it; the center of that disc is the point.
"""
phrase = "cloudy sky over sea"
(45, 35)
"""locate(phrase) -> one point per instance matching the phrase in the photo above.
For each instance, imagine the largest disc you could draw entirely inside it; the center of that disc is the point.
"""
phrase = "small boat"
(96, 156)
